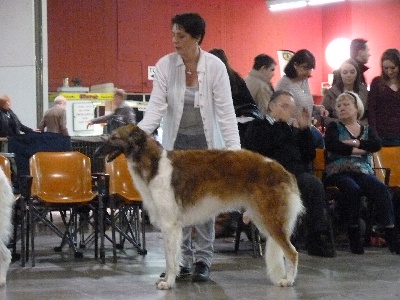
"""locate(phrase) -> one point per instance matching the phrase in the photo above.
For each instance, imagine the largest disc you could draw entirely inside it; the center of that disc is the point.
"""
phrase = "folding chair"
(388, 158)
(127, 216)
(19, 211)
(62, 181)
(5, 165)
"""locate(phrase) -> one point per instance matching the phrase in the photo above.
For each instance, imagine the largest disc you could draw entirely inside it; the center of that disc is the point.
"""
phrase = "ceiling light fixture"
(287, 5)
(282, 5)
(319, 2)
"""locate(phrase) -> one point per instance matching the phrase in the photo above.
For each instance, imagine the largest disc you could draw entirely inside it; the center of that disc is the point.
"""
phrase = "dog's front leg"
(172, 236)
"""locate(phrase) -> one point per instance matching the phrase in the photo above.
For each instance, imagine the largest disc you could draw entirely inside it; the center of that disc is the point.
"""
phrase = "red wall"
(104, 41)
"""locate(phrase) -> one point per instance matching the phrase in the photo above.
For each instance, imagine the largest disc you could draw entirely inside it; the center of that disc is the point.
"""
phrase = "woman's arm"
(157, 105)
(332, 142)
(222, 98)
(373, 144)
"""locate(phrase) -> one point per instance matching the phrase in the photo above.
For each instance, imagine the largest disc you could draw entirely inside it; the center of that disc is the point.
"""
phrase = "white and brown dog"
(6, 206)
(181, 188)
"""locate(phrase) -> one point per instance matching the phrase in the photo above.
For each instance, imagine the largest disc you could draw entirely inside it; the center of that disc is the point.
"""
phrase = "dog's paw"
(160, 280)
(285, 283)
(163, 285)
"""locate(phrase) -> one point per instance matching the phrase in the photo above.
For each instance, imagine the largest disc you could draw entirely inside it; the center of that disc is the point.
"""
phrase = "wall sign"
(83, 112)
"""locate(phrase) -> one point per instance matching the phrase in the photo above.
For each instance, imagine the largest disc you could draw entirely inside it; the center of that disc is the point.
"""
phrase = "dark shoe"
(321, 244)
(392, 238)
(356, 245)
(184, 273)
(201, 272)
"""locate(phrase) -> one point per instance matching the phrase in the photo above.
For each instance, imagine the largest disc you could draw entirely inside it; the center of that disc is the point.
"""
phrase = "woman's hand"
(352, 142)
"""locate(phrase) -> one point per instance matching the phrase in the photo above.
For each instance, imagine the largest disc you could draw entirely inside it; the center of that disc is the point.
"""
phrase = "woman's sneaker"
(201, 272)
(184, 273)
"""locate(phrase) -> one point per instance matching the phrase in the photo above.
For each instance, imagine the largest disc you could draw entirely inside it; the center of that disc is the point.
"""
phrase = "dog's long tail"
(6, 204)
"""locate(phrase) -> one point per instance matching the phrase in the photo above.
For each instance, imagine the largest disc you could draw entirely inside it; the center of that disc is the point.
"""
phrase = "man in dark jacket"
(122, 115)
(359, 51)
(290, 142)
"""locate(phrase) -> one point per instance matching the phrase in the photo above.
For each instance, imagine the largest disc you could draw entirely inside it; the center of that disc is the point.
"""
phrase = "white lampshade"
(337, 52)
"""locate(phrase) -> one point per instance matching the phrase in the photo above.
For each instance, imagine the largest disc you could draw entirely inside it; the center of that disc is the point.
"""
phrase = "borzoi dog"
(181, 188)
(6, 204)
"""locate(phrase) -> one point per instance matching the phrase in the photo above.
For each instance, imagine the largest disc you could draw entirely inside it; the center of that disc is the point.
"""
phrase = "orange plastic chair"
(319, 162)
(126, 207)
(389, 158)
(62, 181)
(5, 165)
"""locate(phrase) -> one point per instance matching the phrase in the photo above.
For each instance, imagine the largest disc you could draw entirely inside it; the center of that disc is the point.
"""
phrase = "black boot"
(321, 244)
(392, 238)
(356, 245)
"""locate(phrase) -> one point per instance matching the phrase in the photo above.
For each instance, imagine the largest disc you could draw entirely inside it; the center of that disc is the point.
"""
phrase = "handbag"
(248, 110)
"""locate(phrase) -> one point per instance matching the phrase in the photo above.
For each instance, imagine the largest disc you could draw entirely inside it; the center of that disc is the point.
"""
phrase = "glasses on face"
(305, 68)
(284, 105)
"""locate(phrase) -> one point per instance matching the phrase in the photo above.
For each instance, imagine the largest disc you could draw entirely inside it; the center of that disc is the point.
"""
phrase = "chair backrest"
(5, 165)
(389, 157)
(61, 177)
(319, 162)
(121, 182)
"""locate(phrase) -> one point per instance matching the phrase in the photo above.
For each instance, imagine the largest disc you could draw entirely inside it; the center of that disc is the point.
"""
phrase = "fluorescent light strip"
(288, 5)
(319, 2)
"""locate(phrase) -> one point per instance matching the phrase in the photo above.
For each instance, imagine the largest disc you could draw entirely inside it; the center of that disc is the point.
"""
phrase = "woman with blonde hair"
(349, 147)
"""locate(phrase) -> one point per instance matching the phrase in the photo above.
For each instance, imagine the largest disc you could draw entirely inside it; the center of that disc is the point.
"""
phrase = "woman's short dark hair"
(302, 57)
(338, 81)
(262, 60)
(394, 56)
(192, 23)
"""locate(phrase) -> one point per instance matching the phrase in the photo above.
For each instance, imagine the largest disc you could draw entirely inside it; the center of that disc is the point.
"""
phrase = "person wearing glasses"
(295, 80)
(290, 142)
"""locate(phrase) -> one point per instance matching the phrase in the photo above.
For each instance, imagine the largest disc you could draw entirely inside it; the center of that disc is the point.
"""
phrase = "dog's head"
(129, 140)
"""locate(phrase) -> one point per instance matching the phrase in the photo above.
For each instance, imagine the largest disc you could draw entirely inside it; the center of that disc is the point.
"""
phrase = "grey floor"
(374, 275)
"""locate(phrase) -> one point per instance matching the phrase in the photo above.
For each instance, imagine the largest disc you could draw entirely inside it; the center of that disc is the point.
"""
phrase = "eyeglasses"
(284, 105)
(305, 68)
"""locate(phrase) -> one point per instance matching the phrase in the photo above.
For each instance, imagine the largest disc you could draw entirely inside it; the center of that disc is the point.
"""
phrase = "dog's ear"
(138, 141)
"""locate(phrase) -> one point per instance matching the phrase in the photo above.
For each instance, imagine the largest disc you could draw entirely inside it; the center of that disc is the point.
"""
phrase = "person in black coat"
(245, 107)
(10, 125)
(290, 142)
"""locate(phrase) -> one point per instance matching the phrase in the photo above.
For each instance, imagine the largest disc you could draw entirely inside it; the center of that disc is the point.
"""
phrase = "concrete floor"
(374, 275)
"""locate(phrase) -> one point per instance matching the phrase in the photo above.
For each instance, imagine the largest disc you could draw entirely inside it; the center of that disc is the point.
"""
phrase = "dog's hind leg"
(5, 259)
(280, 226)
(172, 236)
(281, 272)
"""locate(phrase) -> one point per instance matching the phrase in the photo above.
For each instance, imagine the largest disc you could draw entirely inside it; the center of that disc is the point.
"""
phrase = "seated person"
(349, 167)
(10, 125)
(290, 142)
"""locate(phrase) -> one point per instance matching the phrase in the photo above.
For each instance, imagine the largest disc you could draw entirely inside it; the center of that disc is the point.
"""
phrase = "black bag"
(248, 110)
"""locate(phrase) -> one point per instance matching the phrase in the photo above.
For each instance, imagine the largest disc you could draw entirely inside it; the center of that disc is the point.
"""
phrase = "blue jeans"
(355, 185)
